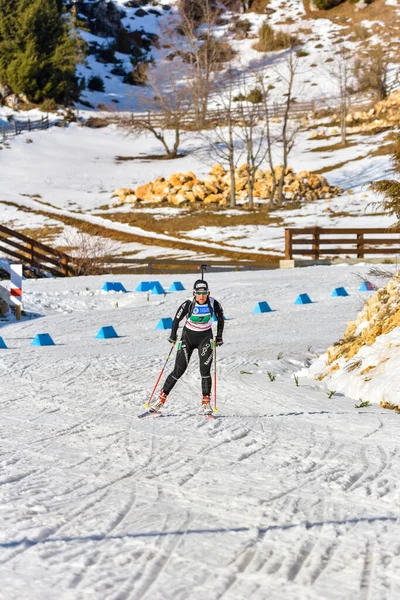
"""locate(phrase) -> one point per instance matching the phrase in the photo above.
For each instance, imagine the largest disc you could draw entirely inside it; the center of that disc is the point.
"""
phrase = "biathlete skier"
(197, 333)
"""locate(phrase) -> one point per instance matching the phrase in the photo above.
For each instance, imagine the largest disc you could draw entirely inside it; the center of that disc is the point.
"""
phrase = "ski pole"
(215, 376)
(160, 375)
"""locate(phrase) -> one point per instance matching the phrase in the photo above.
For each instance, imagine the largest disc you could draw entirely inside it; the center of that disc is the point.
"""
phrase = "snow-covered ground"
(79, 172)
(286, 494)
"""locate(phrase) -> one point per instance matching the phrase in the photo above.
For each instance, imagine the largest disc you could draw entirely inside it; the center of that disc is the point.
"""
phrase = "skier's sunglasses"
(201, 293)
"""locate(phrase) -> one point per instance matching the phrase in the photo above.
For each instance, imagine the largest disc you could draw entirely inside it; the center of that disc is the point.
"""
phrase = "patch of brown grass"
(384, 150)
(258, 6)
(376, 11)
(42, 234)
(337, 166)
(332, 147)
(190, 219)
(147, 157)
(273, 39)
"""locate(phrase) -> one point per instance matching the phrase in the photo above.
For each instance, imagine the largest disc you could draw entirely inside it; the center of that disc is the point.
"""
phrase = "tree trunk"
(343, 114)
(251, 180)
(233, 183)
(281, 181)
(273, 176)
(167, 149)
(177, 142)
(232, 163)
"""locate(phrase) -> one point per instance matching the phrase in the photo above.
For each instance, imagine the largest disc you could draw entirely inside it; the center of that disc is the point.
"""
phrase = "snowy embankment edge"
(371, 374)
(132, 230)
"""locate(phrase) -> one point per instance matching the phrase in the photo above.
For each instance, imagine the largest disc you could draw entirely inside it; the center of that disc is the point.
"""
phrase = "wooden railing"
(238, 112)
(35, 254)
(15, 127)
(318, 242)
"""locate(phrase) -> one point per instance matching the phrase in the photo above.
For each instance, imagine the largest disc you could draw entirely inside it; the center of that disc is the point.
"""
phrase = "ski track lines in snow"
(284, 494)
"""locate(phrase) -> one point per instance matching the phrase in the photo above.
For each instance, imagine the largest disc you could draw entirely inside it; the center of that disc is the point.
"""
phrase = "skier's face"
(201, 297)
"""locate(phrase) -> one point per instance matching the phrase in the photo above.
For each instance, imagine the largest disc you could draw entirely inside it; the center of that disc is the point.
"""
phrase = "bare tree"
(165, 109)
(341, 73)
(289, 128)
(270, 140)
(252, 133)
(222, 140)
(258, 134)
(205, 53)
(90, 252)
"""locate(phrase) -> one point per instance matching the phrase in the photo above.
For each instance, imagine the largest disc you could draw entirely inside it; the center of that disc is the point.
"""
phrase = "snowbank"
(365, 363)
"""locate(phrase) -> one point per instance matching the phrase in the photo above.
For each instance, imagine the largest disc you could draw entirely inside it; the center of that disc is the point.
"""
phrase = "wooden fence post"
(288, 245)
(32, 258)
(360, 245)
(315, 245)
(64, 265)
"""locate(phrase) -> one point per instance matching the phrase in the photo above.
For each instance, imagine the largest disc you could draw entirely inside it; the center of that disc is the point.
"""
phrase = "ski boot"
(159, 404)
(206, 405)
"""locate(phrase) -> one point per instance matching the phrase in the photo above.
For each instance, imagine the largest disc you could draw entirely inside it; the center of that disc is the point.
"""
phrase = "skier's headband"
(200, 288)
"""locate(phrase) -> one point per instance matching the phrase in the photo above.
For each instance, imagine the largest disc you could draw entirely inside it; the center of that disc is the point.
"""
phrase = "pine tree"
(390, 188)
(38, 54)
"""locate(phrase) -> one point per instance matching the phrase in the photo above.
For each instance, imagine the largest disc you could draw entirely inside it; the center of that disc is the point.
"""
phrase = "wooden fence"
(317, 242)
(35, 254)
(237, 113)
(15, 127)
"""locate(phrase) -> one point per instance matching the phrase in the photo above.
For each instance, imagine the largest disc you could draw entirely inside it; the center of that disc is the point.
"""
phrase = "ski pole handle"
(160, 375)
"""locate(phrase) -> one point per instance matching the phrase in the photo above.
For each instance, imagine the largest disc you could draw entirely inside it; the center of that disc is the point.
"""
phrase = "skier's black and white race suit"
(197, 333)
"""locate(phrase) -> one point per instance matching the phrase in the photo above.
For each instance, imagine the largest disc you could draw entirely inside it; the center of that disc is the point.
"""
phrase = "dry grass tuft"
(390, 406)
(270, 39)
(381, 312)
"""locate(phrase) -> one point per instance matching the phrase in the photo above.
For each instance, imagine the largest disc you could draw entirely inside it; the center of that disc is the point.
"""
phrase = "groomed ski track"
(286, 494)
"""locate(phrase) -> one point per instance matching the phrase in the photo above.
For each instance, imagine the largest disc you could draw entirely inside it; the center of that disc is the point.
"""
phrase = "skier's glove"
(172, 339)
(219, 341)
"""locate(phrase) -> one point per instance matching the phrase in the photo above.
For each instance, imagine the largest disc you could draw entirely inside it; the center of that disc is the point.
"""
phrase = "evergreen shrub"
(96, 84)
(39, 50)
